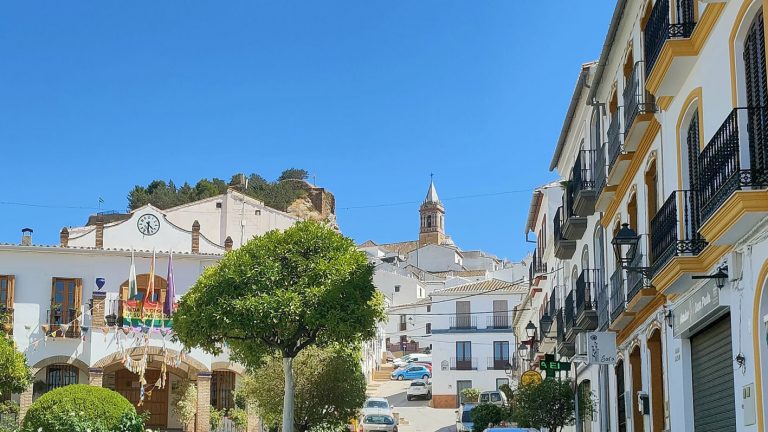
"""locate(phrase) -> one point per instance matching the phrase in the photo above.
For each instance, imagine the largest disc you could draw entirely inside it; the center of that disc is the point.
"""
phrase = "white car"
(379, 423)
(495, 397)
(376, 406)
(402, 361)
(419, 389)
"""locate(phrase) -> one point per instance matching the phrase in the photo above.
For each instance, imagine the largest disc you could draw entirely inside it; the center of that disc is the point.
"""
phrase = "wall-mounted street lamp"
(625, 244)
(530, 329)
(720, 277)
(546, 324)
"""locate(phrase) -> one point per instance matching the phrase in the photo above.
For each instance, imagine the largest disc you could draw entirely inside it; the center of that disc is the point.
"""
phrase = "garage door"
(714, 408)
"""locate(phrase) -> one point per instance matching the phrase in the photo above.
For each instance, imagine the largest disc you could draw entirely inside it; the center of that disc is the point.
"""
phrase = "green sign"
(551, 366)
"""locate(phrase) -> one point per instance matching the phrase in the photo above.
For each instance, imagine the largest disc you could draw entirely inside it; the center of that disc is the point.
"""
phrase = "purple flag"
(170, 293)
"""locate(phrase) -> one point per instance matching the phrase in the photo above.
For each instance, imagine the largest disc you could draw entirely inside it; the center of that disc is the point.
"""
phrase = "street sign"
(530, 377)
(601, 348)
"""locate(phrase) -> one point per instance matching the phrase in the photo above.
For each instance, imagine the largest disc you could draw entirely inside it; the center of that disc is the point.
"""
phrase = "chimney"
(195, 237)
(64, 237)
(228, 244)
(26, 237)
(99, 233)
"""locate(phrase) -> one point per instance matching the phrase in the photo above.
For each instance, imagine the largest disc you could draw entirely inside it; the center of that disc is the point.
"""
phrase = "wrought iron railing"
(569, 318)
(553, 304)
(560, 328)
(659, 28)
(462, 321)
(558, 224)
(636, 99)
(495, 363)
(618, 303)
(670, 238)
(63, 322)
(583, 174)
(636, 279)
(600, 169)
(586, 288)
(603, 314)
(498, 321)
(614, 139)
(463, 363)
(720, 168)
(536, 268)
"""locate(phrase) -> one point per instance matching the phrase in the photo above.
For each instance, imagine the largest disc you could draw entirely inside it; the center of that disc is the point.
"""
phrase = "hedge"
(97, 406)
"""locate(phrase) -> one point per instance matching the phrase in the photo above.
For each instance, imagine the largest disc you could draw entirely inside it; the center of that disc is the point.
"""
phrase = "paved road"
(417, 413)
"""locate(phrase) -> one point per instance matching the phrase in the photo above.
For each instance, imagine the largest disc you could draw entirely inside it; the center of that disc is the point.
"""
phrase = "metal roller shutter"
(714, 406)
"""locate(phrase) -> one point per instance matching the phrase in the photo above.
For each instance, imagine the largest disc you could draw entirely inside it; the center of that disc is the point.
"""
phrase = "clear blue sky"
(369, 96)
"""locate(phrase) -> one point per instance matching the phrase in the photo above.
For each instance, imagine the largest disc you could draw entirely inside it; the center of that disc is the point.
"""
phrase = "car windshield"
(376, 404)
(379, 419)
(417, 384)
(466, 416)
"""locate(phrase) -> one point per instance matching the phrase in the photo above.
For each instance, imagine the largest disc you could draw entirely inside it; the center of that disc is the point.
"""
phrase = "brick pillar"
(64, 237)
(196, 237)
(25, 400)
(203, 418)
(100, 233)
(95, 377)
(228, 244)
(99, 306)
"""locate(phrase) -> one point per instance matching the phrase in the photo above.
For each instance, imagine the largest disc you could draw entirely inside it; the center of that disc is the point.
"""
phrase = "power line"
(458, 197)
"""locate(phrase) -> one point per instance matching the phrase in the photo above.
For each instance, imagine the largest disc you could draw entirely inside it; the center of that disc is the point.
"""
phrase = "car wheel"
(429, 396)
(424, 377)
(399, 377)
(408, 397)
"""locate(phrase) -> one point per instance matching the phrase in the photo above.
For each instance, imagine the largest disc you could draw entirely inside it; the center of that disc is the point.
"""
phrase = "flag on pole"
(170, 293)
(151, 283)
(132, 280)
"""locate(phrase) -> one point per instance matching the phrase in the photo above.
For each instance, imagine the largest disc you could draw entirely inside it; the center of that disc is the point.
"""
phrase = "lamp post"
(625, 244)
(720, 277)
(546, 324)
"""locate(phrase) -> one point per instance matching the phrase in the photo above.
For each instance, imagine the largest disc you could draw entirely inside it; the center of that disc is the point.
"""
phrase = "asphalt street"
(418, 416)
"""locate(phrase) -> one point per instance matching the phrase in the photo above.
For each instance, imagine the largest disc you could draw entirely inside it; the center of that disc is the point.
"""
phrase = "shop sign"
(703, 302)
(601, 348)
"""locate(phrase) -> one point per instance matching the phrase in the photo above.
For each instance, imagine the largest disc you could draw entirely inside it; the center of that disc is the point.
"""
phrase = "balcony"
(498, 322)
(640, 292)
(618, 157)
(462, 322)
(546, 341)
(564, 248)
(620, 317)
(583, 181)
(639, 106)
(605, 193)
(63, 323)
(659, 28)
(732, 181)
(140, 313)
(675, 230)
(574, 225)
(463, 363)
(536, 271)
(569, 317)
(587, 285)
(564, 346)
(603, 311)
(497, 363)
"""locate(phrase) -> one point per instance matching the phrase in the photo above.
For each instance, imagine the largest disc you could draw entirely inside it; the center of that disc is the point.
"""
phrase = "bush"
(470, 395)
(77, 407)
(484, 414)
(132, 422)
(215, 418)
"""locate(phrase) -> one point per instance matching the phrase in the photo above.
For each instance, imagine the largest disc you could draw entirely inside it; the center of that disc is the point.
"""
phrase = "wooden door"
(156, 403)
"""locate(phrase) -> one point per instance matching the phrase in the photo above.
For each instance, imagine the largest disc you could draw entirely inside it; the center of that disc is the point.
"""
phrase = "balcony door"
(464, 355)
(500, 354)
(757, 95)
(463, 314)
(500, 309)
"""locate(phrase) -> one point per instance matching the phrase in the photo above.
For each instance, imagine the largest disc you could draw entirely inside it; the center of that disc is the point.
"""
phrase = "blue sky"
(369, 96)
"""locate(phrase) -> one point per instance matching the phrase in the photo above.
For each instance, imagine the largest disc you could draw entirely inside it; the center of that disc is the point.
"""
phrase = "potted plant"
(111, 320)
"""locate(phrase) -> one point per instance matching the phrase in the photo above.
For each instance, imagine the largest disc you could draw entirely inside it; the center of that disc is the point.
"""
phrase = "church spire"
(432, 218)
(432, 194)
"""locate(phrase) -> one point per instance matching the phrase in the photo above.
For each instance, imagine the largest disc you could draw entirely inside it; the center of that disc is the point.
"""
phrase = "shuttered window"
(620, 394)
(757, 94)
(222, 389)
(714, 407)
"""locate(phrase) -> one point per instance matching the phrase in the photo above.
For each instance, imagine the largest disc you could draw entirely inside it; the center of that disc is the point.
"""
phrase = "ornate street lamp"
(546, 324)
(721, 277)
(625, 238)
(522, 350)
(530, 329)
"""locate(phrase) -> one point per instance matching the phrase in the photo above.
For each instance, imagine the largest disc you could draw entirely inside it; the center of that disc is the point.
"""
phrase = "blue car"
(411, 372)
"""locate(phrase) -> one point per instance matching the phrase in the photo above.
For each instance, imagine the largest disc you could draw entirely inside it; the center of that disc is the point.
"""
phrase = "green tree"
(470, 395)
(293, 174)
(185, 402)
(550, 404)
(484, 414)
(279, 294)
(330, 388)
(15, 376)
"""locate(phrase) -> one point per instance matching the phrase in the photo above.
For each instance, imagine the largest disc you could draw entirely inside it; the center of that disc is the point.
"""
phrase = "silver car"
(379, 423)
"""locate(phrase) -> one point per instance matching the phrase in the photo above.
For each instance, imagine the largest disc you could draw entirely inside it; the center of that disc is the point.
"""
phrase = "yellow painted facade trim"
(683, 47)
(737, 24)
(762, 280)
(638, 158)
(639, 318)
(739, 204)
(694, 95)
(682, 265)
(664, 102)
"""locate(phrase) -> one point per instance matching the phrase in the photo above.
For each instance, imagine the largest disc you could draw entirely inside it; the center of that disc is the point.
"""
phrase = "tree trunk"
(288, 398)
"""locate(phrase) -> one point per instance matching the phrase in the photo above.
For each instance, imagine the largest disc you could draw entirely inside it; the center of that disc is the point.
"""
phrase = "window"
(6, 304)
(397, 288)
(500, 382)
(257, 212)
(651, 179)
(463, 355)
(403, 323)
(429, 309)
(61, 375)
(429, 221)
(500, 355)
(429, 328)
(65, 302)
(222, 389)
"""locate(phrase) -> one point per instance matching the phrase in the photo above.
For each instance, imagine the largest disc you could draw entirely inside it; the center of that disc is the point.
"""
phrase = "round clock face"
(148, 224)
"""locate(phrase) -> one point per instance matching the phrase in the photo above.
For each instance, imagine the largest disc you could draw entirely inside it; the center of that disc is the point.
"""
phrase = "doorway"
(155, 398)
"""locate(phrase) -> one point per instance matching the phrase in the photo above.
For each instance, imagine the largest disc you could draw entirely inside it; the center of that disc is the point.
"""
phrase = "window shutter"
(11, 282)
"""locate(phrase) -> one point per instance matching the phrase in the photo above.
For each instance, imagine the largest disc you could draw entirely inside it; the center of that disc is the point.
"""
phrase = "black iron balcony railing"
(462, 322)
(659, 28)
(498, 322)
(668, 237)
(569, 318)
(618, 303)
(636, 99)
(536, 268)
(463, 363)
(560, 329)
(614, 139)
(586, 288)
(553, 304)
(720, 164)
(558, 223)
(63, 322)
(495, 363)
(636, 280)
(583, 174)
(603, 314)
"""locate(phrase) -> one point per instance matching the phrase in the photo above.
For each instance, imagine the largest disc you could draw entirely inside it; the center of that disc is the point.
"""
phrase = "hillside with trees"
(278, 194)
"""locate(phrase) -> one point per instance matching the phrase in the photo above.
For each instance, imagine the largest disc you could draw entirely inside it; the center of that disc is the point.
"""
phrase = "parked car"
(402, 361)
(379, 423)
(426, 365)
(376, 405)
(412, 372)
(495, 397)
(411, 358)
(464, 417)
(510, 429)
(419, 389)
(388, 355)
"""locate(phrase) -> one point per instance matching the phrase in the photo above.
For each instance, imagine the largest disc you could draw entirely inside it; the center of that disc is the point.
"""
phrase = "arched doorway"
(657, 381)
(761, 343)
(635, 369)
(621, 410)
(134, 310)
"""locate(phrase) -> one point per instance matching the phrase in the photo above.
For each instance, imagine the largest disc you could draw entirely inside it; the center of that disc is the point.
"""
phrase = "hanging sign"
(601, 348)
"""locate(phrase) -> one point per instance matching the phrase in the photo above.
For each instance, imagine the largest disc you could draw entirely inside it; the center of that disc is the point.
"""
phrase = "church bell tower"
(432, 215)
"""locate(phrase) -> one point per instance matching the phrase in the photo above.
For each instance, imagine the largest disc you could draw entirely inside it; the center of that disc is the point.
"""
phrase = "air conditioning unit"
(581, 344)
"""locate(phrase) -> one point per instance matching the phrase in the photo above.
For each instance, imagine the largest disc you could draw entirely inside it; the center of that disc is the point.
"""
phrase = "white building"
(472, 337)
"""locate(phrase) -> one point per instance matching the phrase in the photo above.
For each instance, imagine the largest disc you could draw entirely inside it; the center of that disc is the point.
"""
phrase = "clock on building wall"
(148, 224)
